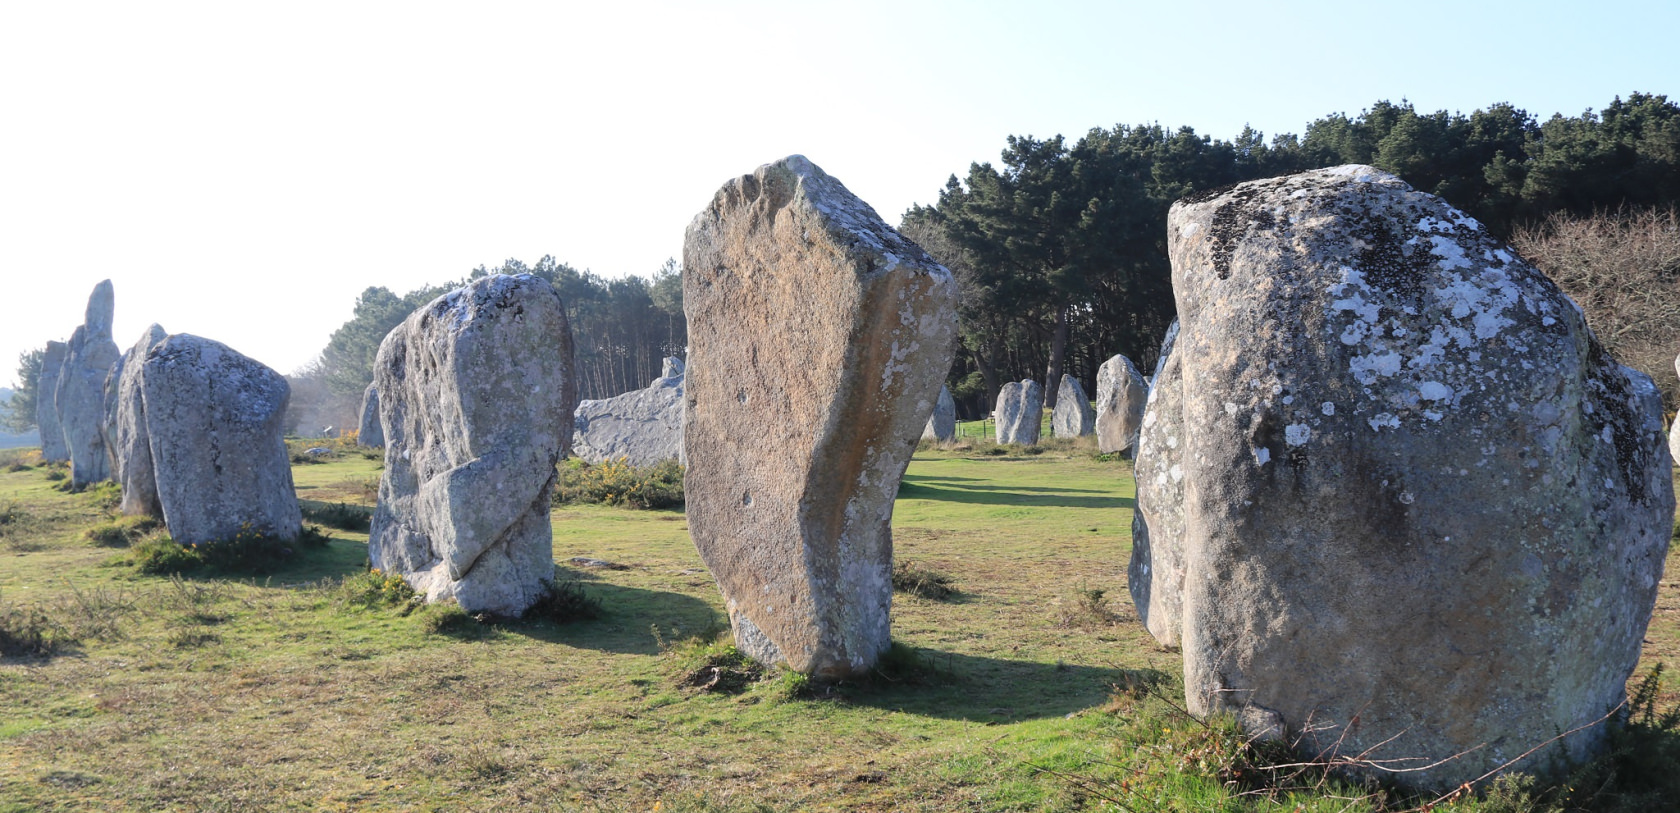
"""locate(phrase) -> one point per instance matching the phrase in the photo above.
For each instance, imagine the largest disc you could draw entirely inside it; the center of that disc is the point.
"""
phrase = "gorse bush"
(122, 531)
(378, 590)
(28, 631)
(908, 577)
(563, 601)
(616, 482)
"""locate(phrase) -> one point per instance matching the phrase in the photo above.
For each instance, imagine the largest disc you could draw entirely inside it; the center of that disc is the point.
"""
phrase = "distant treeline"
(622, 329)
(1061, 250)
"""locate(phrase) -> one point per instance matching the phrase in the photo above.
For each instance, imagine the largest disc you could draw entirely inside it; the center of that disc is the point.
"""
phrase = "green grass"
(320, 686)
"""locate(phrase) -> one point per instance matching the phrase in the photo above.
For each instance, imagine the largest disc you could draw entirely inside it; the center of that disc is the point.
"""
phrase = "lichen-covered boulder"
(476, 391)
(213, 422)
(1155, 576)
(369, 432)
(130, 445)
(1073, 416)
(46, 404)
(1121, 393)
(642, 426)
(1425, 514)
(1020, 412)
(942, 424)
(80, 397)
(819, 337)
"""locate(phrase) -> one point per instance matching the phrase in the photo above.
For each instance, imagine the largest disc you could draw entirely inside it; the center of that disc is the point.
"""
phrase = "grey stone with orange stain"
(214, 421)
(1020, 412)
(819, 337)
(1121, 394)
(1404, 462)
(476, 391)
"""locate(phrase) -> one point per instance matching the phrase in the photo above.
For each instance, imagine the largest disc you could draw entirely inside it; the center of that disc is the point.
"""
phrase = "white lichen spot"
(1297, 434)
(1230, 408)
(1328, 407)
(1262, 456)
(1384, 419)
(1177, 473)
(1434, 391)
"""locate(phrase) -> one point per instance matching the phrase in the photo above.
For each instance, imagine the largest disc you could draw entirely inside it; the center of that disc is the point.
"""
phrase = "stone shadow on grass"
(992, 690)
(627, 620)
(926, 487)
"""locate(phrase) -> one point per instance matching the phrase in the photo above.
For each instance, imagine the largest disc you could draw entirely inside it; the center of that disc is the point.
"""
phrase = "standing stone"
(370, 433)
(642, 427)
(130, 445)
(1073, 416)
(214, 420)
(46, 404)
(673, 368)
(819, 337)
(1425, 512)
(1121, 392)
(476, 391)
(1674, 431)
(1155, 576)
(942, 424)
(1020, 411)
(81, 389)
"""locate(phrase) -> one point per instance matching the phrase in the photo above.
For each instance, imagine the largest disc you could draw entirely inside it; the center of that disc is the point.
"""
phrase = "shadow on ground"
(995, 690)
(629, 618)
(933, 487)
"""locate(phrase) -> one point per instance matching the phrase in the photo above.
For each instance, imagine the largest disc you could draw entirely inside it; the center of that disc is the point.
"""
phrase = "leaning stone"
(131, 449)
(113, 389)
(53, 448)
(1404, 458)
(1020, 412)
(214, 420)
(1121, 392)
(370, 433)
(1073, 416)
(642, 426)
(819, 337)
(81, 389)
(476, 391)
(942, 424)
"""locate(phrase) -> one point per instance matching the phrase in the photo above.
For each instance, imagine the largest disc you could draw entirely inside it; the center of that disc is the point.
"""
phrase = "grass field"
(1022, 691)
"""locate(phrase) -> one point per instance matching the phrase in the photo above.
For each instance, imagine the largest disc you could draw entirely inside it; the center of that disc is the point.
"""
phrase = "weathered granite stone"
(1073, 416)
(130, 446)
(1156, 574)
(46, 404)
(819, 337)
(370, 432)
(1020, 412)
(942, 424)
(214, 420)
(1121, 393)
(476, 391)
(1407, 465)
(673, 368)
(81, 389)
(641, 426)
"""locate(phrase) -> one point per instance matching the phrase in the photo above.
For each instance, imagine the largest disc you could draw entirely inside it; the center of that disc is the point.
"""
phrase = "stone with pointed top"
(80, 393)
(942, 424)
(1121, 393)
(1073, 416)
(1020, 412)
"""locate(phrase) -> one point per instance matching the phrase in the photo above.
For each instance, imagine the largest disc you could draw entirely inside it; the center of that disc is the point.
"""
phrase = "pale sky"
(242, 171)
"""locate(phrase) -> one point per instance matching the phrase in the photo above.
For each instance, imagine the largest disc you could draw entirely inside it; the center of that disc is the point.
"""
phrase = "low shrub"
(374, 590)
(343, 516)
(121, 532)
(55, 475)
(563, 601)
(30, 632)
(926, 583)
(714, 665)
(616, 482)
(250, 551)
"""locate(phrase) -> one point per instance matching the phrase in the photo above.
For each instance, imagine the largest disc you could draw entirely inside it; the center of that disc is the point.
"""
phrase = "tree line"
(1060, 248)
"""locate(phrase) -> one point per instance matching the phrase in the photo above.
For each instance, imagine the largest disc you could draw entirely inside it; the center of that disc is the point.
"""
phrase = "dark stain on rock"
(1230, 222)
